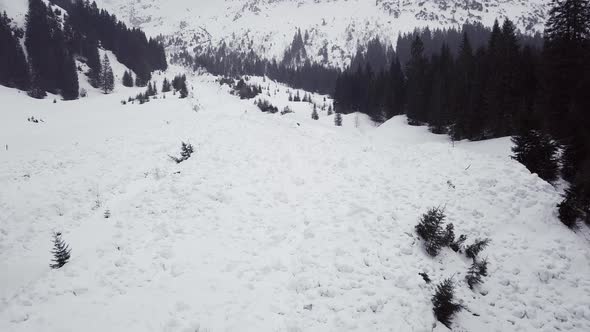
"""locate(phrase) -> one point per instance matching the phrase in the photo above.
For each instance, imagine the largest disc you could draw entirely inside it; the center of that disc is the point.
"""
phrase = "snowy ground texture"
(277, 223)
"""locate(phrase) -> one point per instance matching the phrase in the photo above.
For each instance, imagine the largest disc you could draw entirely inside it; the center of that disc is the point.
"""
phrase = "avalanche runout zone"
(270, 226)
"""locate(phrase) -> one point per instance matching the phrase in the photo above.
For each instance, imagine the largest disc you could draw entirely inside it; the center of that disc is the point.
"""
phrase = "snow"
(277, 223)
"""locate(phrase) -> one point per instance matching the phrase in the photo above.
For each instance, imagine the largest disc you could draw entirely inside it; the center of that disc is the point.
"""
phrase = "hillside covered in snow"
(276, 223)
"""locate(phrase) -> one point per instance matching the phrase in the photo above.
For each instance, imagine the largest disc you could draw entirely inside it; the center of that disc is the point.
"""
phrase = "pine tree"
(567, 35)
(90, 50)
(127, 79)
(45, 47)
(69, 78)
(538, 152)
(430, 230)
(166, 87)
(398, 90)
(61, 252)
(186, 151)
(107, 79)
(338, 120)
(416, 72)
(314, 113)
(443, 301)
(464, 111)
(478, 269)
(478, 246)
(183, 90)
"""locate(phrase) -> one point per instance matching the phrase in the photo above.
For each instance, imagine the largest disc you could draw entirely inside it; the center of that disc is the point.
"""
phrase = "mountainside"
(268, 26)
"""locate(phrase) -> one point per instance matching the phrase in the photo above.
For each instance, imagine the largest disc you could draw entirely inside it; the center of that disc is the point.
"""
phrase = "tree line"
(55, 39)
(295, 69)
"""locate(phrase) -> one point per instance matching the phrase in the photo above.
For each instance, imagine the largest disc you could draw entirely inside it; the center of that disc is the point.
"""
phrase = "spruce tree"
(338, 120)
(61, 252)
(314, 113)
(69, 77)
(416, 72)
(127, 79)
(166, 87)
(397, 86)
(444, 303)
(464, 112)
(183, 89)
(90, 51)
(538, 152)
(42, 46)
(566, 47)
(107, 79)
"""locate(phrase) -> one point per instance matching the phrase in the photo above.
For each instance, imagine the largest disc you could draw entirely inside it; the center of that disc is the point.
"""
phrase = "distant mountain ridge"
(267, 26)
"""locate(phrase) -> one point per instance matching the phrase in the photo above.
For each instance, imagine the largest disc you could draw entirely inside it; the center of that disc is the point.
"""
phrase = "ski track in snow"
(270, 226)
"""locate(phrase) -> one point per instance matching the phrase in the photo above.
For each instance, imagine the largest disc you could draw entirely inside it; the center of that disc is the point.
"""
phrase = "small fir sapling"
(186, 152)
(478, 246)
(444, 306)
(61, 252)
(430, 230)
(478, 269)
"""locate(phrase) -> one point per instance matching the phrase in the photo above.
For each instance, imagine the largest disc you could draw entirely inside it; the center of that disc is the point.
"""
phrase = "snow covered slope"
(268, 26)
(277, 223)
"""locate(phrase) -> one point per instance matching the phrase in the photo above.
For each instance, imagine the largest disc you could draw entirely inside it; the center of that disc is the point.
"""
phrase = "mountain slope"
(277, 223)
(268, 26)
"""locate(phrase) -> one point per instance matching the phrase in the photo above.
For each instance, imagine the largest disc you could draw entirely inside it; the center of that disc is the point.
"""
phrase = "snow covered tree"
(186, 151)
(457, 244)
(61, 252)
(538, 152)
(107, 79)
(430, 230)
(478, 269)
(443, 301)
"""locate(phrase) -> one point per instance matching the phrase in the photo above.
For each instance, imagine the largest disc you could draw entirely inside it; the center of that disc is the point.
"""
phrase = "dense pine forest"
(54, 40)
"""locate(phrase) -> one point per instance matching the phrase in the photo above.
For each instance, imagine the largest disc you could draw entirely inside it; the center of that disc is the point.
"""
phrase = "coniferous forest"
(54, 41)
